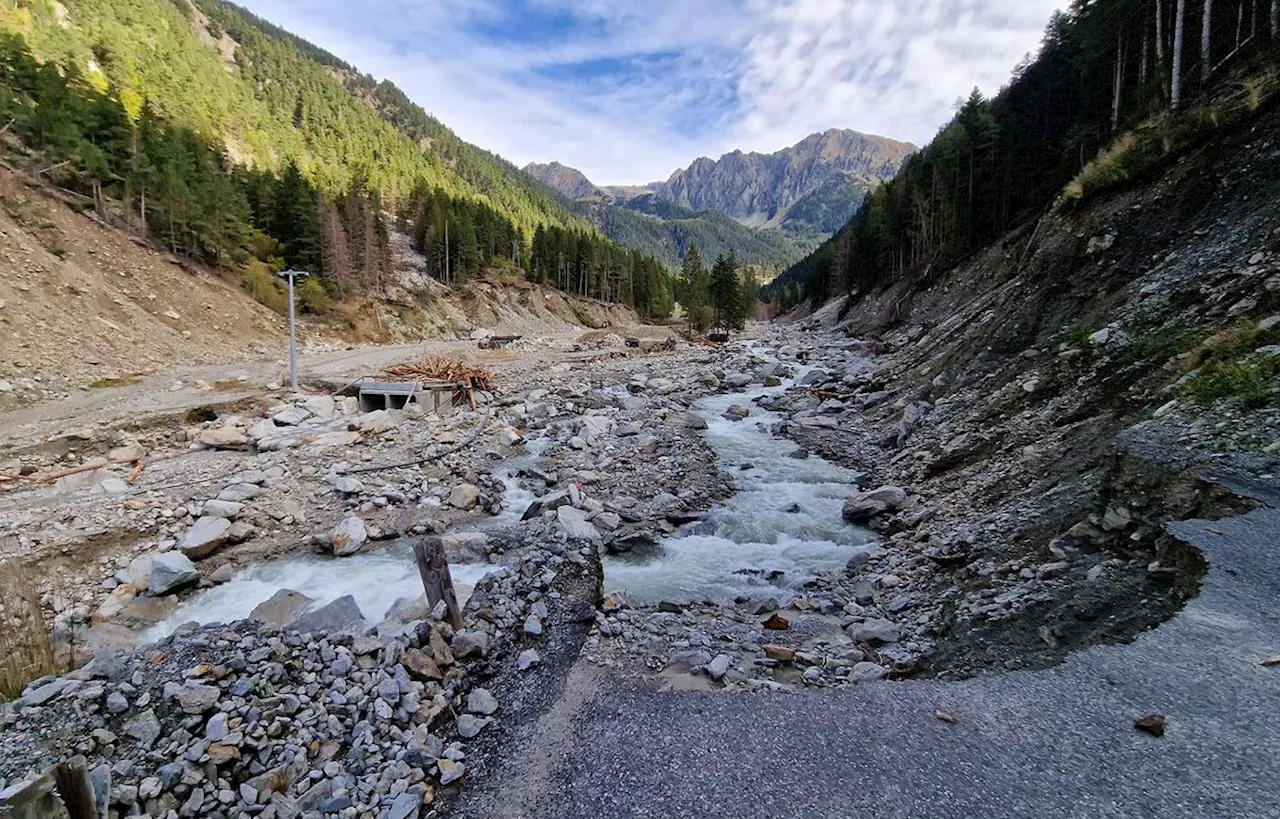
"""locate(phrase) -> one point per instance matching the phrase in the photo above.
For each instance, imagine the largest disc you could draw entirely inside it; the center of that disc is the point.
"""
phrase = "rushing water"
(779, 530)
(376, 578)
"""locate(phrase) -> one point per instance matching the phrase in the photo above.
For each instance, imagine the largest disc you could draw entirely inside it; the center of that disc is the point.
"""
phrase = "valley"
(578, 509)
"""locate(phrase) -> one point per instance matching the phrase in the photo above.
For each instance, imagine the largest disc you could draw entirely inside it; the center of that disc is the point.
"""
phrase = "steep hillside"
(1057, 399)
(760, 189)
(84, 304)
(270, 97)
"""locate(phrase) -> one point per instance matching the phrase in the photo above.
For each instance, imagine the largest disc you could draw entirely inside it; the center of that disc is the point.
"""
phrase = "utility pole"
(293, 332)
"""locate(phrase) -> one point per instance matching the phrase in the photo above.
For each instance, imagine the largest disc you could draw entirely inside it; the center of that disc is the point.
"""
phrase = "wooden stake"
(428, 553)
(75, 789)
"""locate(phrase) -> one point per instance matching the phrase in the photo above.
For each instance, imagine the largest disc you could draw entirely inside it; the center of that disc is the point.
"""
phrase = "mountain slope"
(271, 98)
(760, 189)
(571, 182)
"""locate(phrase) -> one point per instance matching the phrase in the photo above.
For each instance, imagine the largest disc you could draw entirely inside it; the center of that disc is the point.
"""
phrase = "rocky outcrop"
(572, 182)
(759, 189)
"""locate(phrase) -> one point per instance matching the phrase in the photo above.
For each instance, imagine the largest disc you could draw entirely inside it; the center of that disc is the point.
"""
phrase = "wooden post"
(75, 788)
(428, 553)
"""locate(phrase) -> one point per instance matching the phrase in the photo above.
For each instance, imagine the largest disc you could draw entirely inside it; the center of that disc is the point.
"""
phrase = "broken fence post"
(428, 553)
(75, 788)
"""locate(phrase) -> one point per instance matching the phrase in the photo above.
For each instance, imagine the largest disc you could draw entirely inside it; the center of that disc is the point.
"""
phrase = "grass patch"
(1135, 153)
(26, 652)
(1250, 380)
(1232, 344)
(115, 381)
(231, 385)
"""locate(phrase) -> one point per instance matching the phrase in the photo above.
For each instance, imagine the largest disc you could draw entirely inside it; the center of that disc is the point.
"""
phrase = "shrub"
(265, 287)
(313, 298)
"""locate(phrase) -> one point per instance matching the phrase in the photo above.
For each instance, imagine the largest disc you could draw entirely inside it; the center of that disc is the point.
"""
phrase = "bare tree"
(1275, 19)
(1115, 96)
(1206, 40)
(1175, 94)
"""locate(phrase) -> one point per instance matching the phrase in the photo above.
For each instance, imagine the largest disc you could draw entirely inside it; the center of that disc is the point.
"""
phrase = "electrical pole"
(293, 332)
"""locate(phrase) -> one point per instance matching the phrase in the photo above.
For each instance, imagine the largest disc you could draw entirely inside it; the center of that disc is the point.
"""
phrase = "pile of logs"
(440, 368)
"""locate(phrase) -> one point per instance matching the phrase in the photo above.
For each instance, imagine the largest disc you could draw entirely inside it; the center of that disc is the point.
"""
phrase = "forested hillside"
(1119, 87)
(230, 141)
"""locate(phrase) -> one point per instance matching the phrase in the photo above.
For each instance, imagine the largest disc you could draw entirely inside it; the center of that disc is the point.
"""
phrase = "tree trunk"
(1206, 40)
(1275, 19)
(1160, 66)
(1115, 95)
(1175, 94)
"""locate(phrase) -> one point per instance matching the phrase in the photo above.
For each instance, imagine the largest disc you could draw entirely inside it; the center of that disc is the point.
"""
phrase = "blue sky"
(630, 91)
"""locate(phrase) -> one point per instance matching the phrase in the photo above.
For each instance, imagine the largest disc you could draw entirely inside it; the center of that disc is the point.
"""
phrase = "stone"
(719, 667)
(470, 726)
(342, 616)
(196, 698)
(117, 703)
(205, 537)
(736, 412)
(422, 667)
(1101, 337)
(220, 754)
(450, 771)
(867, 671)
(348, 536)
(226, 436)
(573, 522)
(533, 626)
(321, 406)
(171, 571)
(864, 506)
(470, 643)
(405, 806)
(282, 608)
(481, 701)
(292, 416)
(687, 420)
(144, 727)
(528, 659)
(465, 547)
(875, 631)
(464, 496)
(780, 653)
(379, 421)
(142, 612)
(216, 730)
(221, 508)
(408, 609)
(138, 572)
(346, 484)
(240, 492)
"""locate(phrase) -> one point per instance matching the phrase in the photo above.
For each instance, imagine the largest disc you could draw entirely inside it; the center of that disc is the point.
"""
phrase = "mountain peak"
(569, 181)
(759, 189)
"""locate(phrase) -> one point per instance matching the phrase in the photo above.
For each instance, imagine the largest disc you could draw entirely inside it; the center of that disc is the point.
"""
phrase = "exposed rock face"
(759, 189)
(572, 182)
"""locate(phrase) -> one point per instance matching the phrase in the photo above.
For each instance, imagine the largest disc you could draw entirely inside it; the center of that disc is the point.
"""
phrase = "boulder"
(342, 616)
(144, 612)
(226, 436)
(291, 417)
(171, 571)
(573, 522)
(282, 608)
(875, 631)
(737, 412)
(864, 506)
(138, 572)
(464, 496)
(687, 420)
(221, 508)
(205, 537)
(465, 547)
(196, 698)
(379, 421)
(321, 406)
(348, 536)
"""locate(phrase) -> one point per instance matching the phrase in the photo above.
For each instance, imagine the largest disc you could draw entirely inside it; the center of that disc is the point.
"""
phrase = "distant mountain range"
(780, 205)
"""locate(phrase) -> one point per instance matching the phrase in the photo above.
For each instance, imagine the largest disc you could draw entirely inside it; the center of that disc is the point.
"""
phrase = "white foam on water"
(376, 578)
(779, 530)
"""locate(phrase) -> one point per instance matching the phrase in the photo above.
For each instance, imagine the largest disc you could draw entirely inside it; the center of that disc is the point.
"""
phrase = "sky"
(628, 91)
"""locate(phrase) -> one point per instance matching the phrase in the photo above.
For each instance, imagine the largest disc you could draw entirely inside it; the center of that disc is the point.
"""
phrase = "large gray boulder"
(573, 522)
(171, 571)
(349, 536)
(342, 616)
(205, 537)
(864, 506)
(464, 496)
(282, 608)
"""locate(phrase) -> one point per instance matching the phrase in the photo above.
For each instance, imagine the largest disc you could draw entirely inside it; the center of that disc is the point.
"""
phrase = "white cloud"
(706, 77)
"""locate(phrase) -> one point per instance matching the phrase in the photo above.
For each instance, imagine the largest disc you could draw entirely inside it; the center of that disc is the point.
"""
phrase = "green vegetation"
(229, 141)
(1250, 380)
(721, 298)
(116, 381)
(1102, 73)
